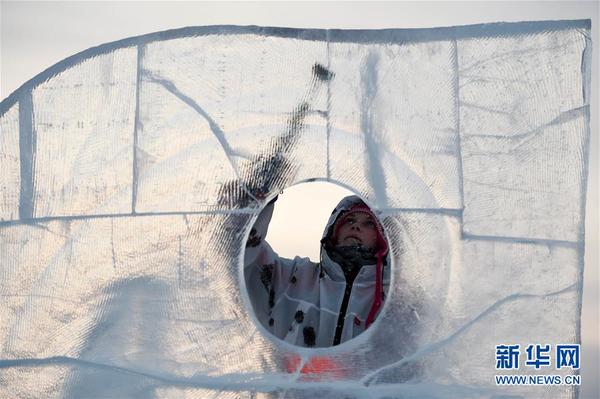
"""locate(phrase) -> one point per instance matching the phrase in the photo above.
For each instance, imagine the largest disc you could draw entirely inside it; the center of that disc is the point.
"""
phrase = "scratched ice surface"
(130, 175)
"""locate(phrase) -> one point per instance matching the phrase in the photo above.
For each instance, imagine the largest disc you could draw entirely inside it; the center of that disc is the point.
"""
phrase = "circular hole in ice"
(291, 299)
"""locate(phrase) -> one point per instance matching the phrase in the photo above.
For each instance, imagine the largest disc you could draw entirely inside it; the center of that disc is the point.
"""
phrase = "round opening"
(316, 265)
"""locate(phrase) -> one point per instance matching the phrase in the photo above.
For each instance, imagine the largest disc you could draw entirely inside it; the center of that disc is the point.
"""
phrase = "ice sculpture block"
(133, 171)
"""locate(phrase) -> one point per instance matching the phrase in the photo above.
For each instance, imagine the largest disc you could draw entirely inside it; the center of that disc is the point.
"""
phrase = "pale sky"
(36, 35)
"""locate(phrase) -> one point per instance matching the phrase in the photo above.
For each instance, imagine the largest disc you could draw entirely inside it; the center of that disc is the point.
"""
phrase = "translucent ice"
(132, 173)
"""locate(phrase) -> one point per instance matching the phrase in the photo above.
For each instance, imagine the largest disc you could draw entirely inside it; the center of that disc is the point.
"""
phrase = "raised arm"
(257, 249)
(271, 169)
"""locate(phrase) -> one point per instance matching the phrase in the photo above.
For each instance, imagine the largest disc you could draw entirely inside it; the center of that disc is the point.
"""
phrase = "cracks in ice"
(217, 132)
(68, 248)
(229, 382)
(179, 262)
(487, 109)
(521, 240)
(27, 154)
(457, 122)
(470, 79)
(135, 172)
(41, 296)
(214, 127)
(523, 53)
(367, 379)
(35, 224)
(522, 138)
(297, 374)
(373, 156)
(46, 219)
(528, 190)
(255, 382)
(112, 243)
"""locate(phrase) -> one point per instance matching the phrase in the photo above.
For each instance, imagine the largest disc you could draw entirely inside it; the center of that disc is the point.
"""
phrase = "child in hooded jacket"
(327, 303)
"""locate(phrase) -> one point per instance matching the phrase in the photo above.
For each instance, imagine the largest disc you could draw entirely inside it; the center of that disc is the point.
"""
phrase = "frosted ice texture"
(131, 174)
(9, 156)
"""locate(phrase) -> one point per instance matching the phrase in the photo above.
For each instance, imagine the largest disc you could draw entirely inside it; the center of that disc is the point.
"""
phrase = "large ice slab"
(133, 172)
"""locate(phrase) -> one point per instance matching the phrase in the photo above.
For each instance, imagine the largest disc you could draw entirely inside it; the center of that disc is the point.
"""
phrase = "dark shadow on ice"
(131, 332)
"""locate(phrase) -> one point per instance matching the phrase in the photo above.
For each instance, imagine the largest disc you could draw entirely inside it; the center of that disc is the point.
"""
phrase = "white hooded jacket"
(311, 304)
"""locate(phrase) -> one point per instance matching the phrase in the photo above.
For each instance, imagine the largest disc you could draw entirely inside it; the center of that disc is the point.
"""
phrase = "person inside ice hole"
(327, 303)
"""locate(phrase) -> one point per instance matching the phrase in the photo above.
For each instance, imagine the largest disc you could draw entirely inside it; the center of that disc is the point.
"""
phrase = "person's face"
(357, 228)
